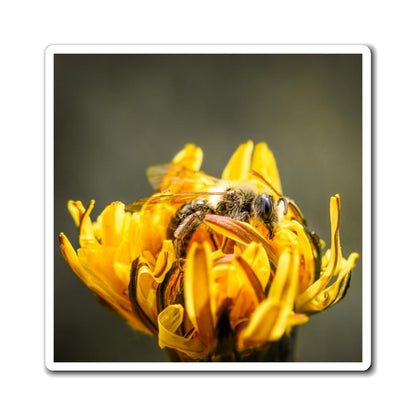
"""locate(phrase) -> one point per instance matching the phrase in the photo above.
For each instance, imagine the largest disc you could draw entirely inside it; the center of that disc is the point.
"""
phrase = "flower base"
(279, 351)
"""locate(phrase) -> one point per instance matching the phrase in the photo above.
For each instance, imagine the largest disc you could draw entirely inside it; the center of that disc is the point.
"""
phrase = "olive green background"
(114, 115)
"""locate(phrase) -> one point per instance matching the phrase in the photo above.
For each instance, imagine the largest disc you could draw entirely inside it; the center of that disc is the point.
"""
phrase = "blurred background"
(115, 115)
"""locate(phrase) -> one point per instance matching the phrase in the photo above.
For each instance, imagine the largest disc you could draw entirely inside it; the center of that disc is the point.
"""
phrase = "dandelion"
(216, 269)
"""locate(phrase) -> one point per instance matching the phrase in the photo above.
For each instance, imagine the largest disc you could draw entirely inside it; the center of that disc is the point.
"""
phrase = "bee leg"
(270, 229)
(184, 232)
(243, 216)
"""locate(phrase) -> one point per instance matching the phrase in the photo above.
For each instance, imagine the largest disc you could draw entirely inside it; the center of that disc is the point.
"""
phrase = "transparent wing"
(169, 198)
(178, 179)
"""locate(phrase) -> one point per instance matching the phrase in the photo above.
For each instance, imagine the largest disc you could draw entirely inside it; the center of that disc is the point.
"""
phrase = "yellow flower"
(210, 284)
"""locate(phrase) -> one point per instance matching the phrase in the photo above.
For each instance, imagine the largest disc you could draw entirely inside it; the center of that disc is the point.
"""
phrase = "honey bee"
(197, 194)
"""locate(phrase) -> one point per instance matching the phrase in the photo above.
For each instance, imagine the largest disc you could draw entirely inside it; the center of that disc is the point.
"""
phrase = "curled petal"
(336, 291)
(169, 321)
(333, 262)
(164, 261)
(300, 239)
(238, 167)
(343, 278)
(198, 283)
(91, 232)
(76, 209)
(141, 293)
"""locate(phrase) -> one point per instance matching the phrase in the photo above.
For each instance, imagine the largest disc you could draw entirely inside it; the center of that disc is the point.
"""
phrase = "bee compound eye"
(264, 205)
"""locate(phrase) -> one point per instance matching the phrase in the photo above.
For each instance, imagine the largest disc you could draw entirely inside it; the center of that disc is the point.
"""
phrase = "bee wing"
(168, 198)
(155, 174)
(177, 178)
(137, 205)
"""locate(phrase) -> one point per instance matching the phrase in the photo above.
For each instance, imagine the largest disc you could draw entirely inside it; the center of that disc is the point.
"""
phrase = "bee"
(197, 194)
(194, 195)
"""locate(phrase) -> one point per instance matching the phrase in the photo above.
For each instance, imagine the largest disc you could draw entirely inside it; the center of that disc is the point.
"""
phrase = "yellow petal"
(260, 325)
(72, 259)
(227, 282)
(198, 283)
(83, 269)
(142, 296)
(296, 319)
(288, 299)
(112, 221)
(303, 242)
(189, 157)
(241, 232)
(169, 321)
(238, 167)
(122, 262)
(248, 277)
(152, 227)
(76, 209)
(265, 164)
(342, 282)
(255, 255)
(117, 302)
(133, 235)
(86, 231)
(336, 291)
(99, 262)
(164, 261)
(270, 319)
(334, 259)
(282, 273)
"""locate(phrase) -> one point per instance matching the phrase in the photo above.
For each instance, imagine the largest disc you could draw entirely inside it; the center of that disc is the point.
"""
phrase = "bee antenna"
(284, 200)
(265, 181)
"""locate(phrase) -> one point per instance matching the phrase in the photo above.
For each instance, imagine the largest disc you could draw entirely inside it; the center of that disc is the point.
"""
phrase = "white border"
(365, 364)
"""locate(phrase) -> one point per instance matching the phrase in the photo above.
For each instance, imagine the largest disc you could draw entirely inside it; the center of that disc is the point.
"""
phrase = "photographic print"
(208, 208)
